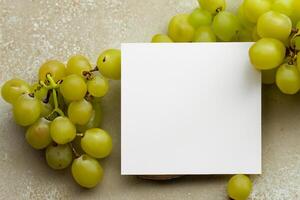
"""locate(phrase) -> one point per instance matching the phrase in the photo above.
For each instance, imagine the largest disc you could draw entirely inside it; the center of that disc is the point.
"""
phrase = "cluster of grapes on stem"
(62, 113)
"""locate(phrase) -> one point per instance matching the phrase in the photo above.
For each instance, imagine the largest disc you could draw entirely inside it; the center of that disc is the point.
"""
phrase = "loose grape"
(200, 17)
(274, 25)
(14, 88)
(204, 34)
(87, 171)
(73, 87)
(38, 134)
(53, 67)
(243, 20)
(77, 64)
(109, 64)
(96, 143)
(239, 187)
(180, 30)
(46, 109)
(160, 38)
(213, 6)
(39, 91)
(26, 110)
(59, 156)
(80, 112)
(98, 86)
(95, 120)
(226, 26)
(245, 35)
(253, 9)
(62, 130)
(267, 53)
(288, 79)
(269, 76)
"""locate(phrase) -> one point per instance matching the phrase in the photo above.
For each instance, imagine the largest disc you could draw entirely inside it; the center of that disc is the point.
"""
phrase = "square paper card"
(190, 109)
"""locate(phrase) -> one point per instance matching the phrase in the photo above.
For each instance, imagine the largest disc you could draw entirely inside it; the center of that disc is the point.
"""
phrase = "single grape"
(161, 38)
(243, 20)
(288, 79)
(38, 134)
(46, 109)
(87, 171)
(53, 67)
(59, 156)
(213, 6)
(255, 35)
(204, 34)
(77, 64)
(98, 86)
(245, 35)
(26, 110)
(253, 9)
(39, 91)
(267, 53)
(269, 76)
(95, 120)
(200, 17)
(109, 64)
(226, 26)
(80, 112)
(62, 130)
(96, 143)
(14, 88)
(180, 30)
(73, 87)
(239, 187)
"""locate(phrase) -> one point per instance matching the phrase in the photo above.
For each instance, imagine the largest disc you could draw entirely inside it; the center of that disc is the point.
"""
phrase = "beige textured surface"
(32, 31)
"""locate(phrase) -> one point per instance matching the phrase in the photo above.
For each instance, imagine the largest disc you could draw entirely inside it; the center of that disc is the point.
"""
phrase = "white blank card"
(190, 109)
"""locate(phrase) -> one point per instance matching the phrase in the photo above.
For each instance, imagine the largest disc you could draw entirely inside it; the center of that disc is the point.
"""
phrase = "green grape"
(253, 9)
(213, 6)
(62, 130)
(255, 35)
(46, 109)
(96, 143)
(26, 110)
(274, 25)
(161, 38)
(38, 134)
(87, 171)
(295, 16)
(73, 87)
(226, 26)
(95, 120)
(59, 156)
(39, 91)
(77, 64)
(204, 34)
(239, 187)
(53, 67)
(109, 64)
(14, 88)
(288, 79)
(80, 112)
(267, 53)
(243, 20)
(298, 61)
(245, 35)
(269, 76)
(200, 17)
(180, 30)
(98, 86)
(283, 6)
(296, 41)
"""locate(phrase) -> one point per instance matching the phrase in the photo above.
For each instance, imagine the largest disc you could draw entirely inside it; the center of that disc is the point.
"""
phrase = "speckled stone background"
(32, 31)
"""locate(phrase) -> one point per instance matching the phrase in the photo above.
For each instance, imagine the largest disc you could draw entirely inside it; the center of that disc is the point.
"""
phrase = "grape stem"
(79, 134)
(74, 150)
(54, 86)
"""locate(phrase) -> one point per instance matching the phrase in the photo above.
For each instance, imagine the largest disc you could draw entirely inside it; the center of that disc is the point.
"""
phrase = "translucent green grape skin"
(53, 67)
(243, 20)
(253, 9)
(200, 17)
(95, 120)
(38, 134)
(59, 156)
(269, 76)
(14, 88)
(96, 143)
(295, 16)
(180, 30)
(77, 64)
(283, 6)
(297, 39)
(161, 38)
(245, 35)
(98, 86)
(62, 130)
(298, 61)
(80, 112)
(46, 109)
(87, 171)
(213, 6)
(204, 34)
(109, 64)
(26, 110)
(239, 187)
(255, 35)
(39, 91)
(267, 53)
(288, 79)
(274, 25)
(73, 87)
(226, 26)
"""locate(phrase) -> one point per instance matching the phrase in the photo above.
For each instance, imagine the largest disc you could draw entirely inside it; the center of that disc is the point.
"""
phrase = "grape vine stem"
(54, 86)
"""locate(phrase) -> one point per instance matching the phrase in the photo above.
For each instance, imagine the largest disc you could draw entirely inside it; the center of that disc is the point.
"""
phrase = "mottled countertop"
(32, 31)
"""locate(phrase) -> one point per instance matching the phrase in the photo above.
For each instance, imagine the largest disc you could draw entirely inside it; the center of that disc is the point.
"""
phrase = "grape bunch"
(62, 113)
